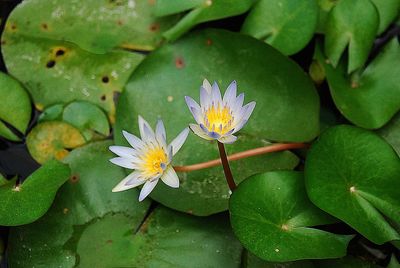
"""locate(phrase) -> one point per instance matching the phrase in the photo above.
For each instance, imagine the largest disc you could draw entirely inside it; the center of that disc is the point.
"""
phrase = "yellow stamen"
(218, 119)
(153, 160)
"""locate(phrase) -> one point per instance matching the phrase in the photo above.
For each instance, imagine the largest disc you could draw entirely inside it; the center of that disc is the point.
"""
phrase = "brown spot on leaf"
(65, 210)
(3, 42)
(103, 97)
(74, 178)
(50, 64)
(154, 27)
(354, 84)
(13, 26)
(120, 22)
(109, 241)
(44, 26)
(208, 42)
(179, 63)
(190, 212)
(152, 2)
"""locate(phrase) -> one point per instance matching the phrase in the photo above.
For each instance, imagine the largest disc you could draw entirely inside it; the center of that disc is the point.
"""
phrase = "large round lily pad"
(15, 108)
(277, 23)
(286, 110)
(89, 226)
(353, 174)
(96, 26)
(53, 139)
(26, 202)
(60, 72)
(368, 100)
(272, 217)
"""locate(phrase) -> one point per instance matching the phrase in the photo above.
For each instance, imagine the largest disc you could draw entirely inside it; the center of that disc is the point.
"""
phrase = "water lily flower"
(150, 157)
(219, 118)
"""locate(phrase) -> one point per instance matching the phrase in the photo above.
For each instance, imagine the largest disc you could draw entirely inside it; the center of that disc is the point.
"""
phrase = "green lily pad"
(367, 100)
(272, 217)
(53, 139)
(391, 132)
(15, 109)
(52, 113)
(353, 174)
(82, 201)
(388, 11)
(200, 11)
(95, 26)
(292, 107)
(324, 7)
(277, 23)
(393, 262)
(89, 226)
(358, 32)
(252, 261)
(27, 202)
(88, 118)
(64, 73)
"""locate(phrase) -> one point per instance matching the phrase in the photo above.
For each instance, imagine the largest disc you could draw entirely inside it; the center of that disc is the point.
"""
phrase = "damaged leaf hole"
(50, 63)
(60, 52)
(105, 79)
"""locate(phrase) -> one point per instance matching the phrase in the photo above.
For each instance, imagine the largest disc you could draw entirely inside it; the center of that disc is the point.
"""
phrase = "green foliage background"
(325, 73)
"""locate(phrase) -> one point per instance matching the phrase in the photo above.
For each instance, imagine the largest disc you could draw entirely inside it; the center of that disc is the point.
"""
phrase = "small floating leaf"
(208, 10)
(53, 139)
(88, 118)
(344, 29)
(26, 202)
(271, 214)
(15, 108)
(52, 113)
(353, 174)
(370, 99)
(277, 23)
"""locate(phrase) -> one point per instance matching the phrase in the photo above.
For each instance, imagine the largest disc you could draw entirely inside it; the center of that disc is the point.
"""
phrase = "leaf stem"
(225, 165)
(245, 154)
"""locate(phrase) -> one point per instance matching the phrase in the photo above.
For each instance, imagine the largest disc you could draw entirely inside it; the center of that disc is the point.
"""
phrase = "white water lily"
(150, 157)
(219, 118)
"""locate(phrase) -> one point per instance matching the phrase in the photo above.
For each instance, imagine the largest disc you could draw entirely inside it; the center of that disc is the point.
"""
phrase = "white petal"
(131, 181)
(169, 153)
(228, 139)
(179, 141)
(147, 188)
(122, 151)
(146, 132)
(160, 134)
(199, 132)
(238, 102)
(134, 141)
(207, 86)
(230, 94)
(124, 162)
(247, 111)
(216, 94)
(205, 98)
(194, 108)
(170, 178)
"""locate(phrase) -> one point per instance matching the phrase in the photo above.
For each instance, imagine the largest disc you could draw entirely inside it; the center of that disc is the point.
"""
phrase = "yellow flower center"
(155, 160)
(218, 119)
